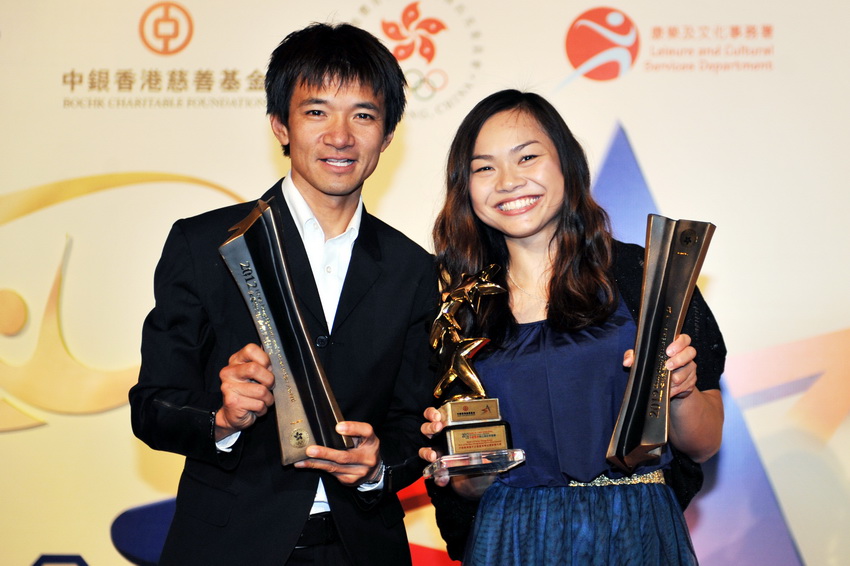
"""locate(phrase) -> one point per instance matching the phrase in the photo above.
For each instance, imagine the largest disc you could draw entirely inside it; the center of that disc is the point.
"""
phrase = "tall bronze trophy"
(475, 440)
(305, 407)
(675, 250)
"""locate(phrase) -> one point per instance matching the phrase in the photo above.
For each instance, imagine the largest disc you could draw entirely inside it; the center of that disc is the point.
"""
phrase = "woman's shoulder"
(627, 268)
(627, 257)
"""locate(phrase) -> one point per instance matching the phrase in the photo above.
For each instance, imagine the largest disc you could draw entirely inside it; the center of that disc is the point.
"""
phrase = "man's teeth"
(518, 203)
(339, 162)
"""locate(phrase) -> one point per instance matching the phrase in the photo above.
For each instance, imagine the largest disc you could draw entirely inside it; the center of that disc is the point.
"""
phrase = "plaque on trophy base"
(474, 425)
(475, 441)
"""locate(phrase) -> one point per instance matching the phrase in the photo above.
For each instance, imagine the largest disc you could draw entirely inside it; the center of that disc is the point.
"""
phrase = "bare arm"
(696, 423)
(696, 417)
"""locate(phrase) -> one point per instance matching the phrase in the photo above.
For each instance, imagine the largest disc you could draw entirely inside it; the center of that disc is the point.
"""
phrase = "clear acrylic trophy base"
(476, 463)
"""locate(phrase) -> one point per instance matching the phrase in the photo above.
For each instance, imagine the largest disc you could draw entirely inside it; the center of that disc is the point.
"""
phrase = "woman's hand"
(432, 426)
(470, 487)
(696, 417)
(683, 369)
(680, 362)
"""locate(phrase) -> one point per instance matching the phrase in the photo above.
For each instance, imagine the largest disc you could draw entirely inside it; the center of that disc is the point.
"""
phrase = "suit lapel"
(363, 271)
(299, 265)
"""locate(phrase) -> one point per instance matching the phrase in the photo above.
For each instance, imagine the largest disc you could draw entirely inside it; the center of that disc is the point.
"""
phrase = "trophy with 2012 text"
(305, 407)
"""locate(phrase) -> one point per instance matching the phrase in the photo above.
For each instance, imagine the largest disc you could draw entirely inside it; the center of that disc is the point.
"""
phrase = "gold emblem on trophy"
(475, 439)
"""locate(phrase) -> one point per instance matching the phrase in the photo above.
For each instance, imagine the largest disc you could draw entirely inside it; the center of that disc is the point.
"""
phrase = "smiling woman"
(518, 196)
(516, 184)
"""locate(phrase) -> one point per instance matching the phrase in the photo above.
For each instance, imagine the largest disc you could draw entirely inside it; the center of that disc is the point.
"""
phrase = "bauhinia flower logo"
(413, 31)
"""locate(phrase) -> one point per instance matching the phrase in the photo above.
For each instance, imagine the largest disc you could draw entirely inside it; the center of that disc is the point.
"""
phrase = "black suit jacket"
(244, 507)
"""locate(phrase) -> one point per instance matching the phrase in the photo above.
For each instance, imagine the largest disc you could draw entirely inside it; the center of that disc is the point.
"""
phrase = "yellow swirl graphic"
(15, 418)
(53, 379)
(21, 203)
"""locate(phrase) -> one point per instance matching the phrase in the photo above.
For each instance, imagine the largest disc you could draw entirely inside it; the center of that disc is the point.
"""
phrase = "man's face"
(335, 136)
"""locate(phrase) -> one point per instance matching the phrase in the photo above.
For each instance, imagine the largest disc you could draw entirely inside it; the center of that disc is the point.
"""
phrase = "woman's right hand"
(432, 426)
(470, 487)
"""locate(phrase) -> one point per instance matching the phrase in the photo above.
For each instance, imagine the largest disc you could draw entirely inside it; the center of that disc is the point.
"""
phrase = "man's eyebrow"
(368, 105)
(313, 101)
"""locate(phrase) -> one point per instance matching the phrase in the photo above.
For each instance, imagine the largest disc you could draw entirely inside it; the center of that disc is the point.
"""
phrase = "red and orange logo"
(412, 32)
(166, 28)
(414, 36)
(602, 44)
(437, 45)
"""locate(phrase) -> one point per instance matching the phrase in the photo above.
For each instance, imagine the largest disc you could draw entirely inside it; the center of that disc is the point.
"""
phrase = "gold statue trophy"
(475, 440)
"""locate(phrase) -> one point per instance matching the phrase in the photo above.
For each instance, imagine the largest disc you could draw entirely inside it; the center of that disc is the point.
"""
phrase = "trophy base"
(475, 463)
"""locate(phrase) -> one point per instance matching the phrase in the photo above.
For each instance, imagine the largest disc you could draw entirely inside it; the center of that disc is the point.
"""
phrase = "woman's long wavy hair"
(582, 291)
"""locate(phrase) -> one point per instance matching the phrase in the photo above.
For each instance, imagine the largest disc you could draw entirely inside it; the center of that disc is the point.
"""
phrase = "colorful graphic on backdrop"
(816, 369)
(414, 34)
(619, 188)
(437, 45)
(54, 379)
(166, 28)
(602, 44)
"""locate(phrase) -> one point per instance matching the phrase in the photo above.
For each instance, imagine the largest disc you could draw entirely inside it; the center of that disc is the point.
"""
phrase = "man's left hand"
(351, 467)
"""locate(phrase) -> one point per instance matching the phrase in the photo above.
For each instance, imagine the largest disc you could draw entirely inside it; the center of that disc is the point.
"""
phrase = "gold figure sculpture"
(456, 351)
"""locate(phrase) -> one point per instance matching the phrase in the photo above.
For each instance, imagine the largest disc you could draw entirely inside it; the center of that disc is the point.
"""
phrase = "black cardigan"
(455, 514)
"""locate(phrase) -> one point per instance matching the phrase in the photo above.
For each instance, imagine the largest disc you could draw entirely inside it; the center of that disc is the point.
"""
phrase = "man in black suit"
(335, 96)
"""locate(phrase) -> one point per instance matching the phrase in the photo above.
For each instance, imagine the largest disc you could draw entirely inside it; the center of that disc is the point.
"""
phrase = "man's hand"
(351, 467)
(246, 384)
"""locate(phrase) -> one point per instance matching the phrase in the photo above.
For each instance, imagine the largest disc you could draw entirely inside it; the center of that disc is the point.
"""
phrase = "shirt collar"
(303, 215)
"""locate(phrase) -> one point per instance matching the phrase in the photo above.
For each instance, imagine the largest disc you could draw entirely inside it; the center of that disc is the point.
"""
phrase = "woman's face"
(516, 183)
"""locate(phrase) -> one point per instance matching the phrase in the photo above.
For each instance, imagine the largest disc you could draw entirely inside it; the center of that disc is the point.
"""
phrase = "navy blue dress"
(561, 394)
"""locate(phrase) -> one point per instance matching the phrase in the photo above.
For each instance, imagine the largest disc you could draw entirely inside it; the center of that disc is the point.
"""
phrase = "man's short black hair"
(321, 53)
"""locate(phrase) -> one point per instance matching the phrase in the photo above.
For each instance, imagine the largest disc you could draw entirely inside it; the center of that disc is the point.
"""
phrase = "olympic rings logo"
(426, 85)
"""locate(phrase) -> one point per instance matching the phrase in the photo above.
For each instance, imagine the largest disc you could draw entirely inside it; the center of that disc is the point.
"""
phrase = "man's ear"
(280, 131)
(387, 139)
